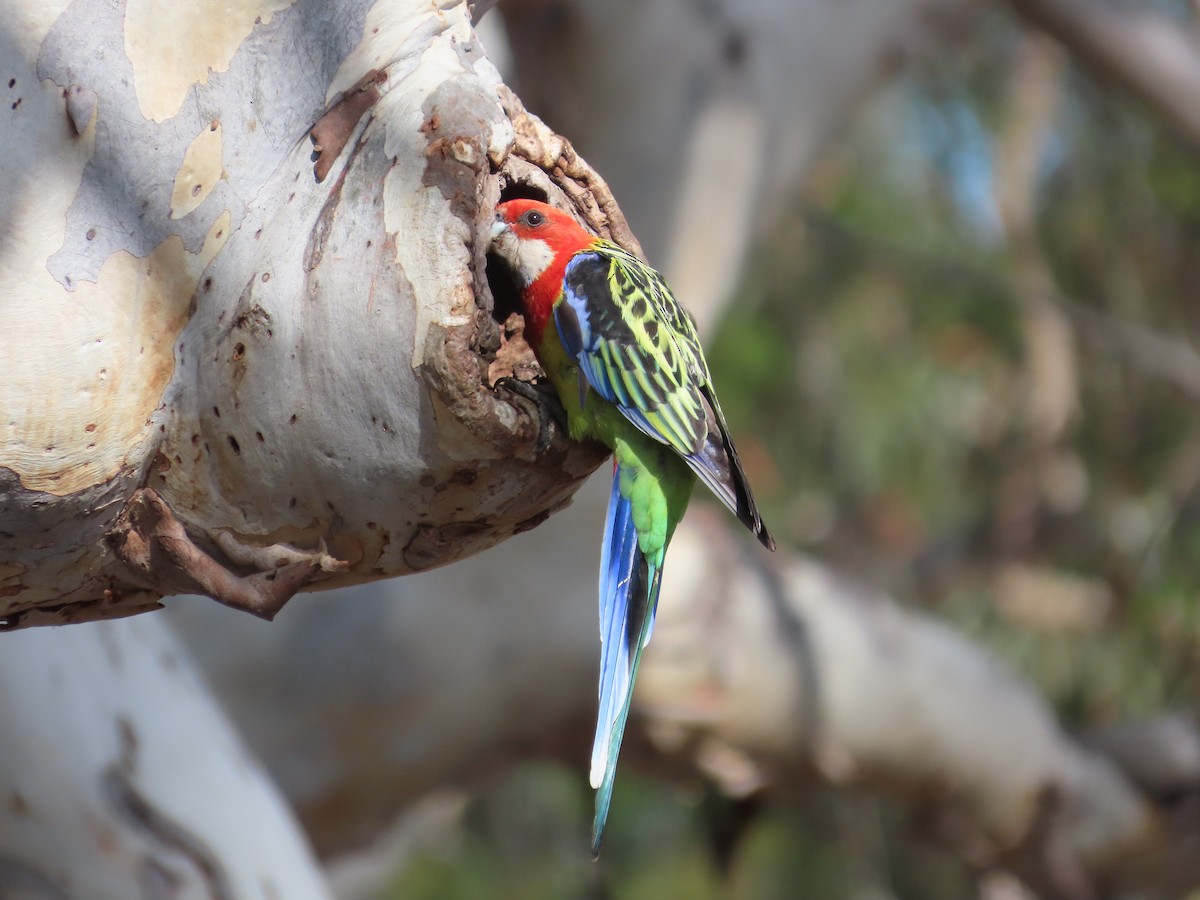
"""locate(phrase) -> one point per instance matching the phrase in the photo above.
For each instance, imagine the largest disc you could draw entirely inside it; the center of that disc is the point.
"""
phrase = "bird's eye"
(533, 218)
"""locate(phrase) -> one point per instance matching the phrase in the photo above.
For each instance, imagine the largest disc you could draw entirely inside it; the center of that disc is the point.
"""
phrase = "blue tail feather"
(629, 586)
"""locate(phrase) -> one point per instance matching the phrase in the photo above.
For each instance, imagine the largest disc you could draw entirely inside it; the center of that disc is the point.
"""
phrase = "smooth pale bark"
(121, 778)
(242, 276)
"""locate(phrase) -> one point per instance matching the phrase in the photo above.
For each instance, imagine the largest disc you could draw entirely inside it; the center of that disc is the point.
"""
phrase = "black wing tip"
(725, 468)
(751, 519)
(765, 537)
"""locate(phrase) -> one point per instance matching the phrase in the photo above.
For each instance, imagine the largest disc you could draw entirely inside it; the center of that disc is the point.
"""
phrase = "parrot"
(626, 364)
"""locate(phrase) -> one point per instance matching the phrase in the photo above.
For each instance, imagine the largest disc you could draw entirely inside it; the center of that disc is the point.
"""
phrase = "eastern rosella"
(627, 366)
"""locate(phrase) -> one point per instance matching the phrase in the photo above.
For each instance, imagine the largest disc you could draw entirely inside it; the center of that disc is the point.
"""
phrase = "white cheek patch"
(532, 259)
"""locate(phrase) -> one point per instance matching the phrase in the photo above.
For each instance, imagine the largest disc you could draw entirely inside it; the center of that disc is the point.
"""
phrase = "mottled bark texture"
(249, 329)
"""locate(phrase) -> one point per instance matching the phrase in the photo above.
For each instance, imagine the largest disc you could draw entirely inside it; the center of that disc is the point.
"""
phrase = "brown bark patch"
(333, 129)
(152, 541)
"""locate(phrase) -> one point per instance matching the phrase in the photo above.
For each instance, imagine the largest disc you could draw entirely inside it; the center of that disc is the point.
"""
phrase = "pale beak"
(498, 228)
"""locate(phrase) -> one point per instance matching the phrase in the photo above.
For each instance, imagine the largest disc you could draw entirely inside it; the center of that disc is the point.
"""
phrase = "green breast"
(653, 476)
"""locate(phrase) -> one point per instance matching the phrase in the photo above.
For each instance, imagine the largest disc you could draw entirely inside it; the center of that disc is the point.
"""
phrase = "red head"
(537, 241)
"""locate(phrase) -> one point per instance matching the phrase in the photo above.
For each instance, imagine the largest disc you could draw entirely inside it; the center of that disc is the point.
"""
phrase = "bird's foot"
(549, 409)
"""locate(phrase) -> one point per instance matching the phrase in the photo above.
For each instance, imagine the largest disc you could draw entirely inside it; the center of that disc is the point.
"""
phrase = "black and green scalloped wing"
(638, 348)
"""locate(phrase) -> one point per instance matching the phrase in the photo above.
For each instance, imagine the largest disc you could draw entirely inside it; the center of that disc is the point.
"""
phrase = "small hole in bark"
(258, 434)
(216, 412)
(518, 190)
(505, 298)
(12, 83)
(234, 444)
(239, 350)
(196, 189)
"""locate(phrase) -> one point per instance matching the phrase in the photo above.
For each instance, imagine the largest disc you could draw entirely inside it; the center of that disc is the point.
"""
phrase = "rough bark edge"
(152, 541)
(587, 192)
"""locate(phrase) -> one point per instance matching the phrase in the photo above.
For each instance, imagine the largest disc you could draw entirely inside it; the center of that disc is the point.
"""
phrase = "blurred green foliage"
(875, 369)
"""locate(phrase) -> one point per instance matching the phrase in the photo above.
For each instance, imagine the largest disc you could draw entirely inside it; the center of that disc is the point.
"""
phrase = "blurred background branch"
(1139, 49)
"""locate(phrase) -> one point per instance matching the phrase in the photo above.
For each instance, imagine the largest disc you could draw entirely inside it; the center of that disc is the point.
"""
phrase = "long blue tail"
(629, 586)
